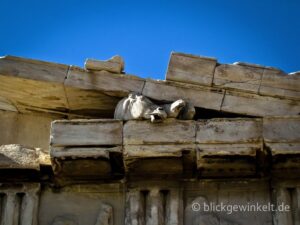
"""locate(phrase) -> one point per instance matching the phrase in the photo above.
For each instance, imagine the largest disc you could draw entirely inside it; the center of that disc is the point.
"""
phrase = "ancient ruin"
(212, 144)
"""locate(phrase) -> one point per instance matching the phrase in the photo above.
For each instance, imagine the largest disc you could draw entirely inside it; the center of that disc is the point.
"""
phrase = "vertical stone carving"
(134, 208)
(289, 197)
(297, 206)
(30, 208)
(152, 207)
(10, 212)
(20, 204)
(282, 196)
(105, 216)
(173, 211)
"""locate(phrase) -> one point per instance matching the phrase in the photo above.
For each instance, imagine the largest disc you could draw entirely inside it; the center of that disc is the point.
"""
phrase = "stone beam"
(237, 147)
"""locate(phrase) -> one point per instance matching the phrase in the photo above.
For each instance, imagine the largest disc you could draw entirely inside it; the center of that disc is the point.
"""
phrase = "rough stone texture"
(144, 145)
(33, 95)
(144, 132)
(104, 81)
(32, 69)
(276, 83)
(228, 147)
(288, 192)
(236, 76)
(89, 204)
(20, 203)
(32, 130)
(139, 107)
(281, 129)
(188, 68)
(18, 157)
(222, 147)
(91, 156)
(89, 104)
(237, 130)
(113, 65)
(76, 93)
(86, 132)
(108, 172)
(256, 105)
(153, 203)
(198, 96)
(282, 137)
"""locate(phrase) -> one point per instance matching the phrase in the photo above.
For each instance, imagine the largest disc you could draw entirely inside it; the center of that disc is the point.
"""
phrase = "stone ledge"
(69, 91)
(237, 147)
(19, 157)
(239, 76)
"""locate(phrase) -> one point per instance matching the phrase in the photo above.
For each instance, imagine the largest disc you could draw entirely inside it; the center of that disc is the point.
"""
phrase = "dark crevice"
(202, 113)
(144, 197)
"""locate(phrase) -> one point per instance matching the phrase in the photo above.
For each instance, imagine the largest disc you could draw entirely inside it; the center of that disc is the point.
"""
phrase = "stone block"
(198, 96)
(277, 83)
(104, 81)
(228, 147)
(158, 160)
(282, 138)
(256, 105)
(281, 129)
(18, 67)
(228, 160)
(171, 131)
(241, 76)
(94, 132)
(237, 130)
(113, 65)
(87, 149)
(188, 68)
(18, 157)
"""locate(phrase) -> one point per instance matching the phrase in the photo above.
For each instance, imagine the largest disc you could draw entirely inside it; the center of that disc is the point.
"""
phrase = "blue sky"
(145, 32)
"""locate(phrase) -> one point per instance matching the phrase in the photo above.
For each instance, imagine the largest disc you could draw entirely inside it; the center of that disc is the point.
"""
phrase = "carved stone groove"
(20, 205)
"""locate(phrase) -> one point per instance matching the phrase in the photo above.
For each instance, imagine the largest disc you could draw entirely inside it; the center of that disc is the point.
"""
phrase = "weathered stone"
(105, 172)
(281, 136)
(228, 147)
(21, 205)
(237, 130)
(168, 159)
(276, 83)
(113, 65)
(26, 129)
(228, 160)
(255, 105)
(139, 107)
(86, 133)
(144, 132)
(33, 95)
(191, 69)
(282, 196)
(18, 157)
(198, 96)
(90, 204)
(32, 69)
(153, 204)
(90, 104)
(281, 129)
(108, 83)
(242, 77)
(6, 105)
